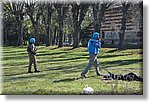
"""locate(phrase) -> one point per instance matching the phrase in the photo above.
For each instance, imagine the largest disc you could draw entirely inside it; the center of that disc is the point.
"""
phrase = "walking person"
(94, 45)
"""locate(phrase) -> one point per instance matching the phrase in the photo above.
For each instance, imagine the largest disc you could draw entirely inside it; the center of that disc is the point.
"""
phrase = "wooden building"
(111, 27)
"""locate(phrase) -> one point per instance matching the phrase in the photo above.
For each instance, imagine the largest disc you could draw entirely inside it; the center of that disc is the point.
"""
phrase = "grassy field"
(61, 68)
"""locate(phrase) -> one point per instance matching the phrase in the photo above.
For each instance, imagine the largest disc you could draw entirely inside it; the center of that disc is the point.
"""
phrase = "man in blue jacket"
(93, 48)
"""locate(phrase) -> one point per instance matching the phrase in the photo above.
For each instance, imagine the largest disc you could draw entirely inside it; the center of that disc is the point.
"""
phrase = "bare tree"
(34, 9)
(79, 11)
(125, 7)
(99, 9)
(47, 22)
(17, 9)
(61, 10)
(55, 35)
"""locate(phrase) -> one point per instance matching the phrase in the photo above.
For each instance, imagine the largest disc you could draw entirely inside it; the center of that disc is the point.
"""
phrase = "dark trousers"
(92, 61)
(32, 60)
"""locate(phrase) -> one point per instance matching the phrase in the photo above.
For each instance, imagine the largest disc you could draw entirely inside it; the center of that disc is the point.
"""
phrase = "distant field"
(61, 68)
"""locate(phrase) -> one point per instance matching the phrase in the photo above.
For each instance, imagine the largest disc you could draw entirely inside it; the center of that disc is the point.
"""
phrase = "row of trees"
(55, 19)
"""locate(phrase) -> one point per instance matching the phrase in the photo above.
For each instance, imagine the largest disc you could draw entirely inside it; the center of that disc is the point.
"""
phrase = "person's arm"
(96, 44)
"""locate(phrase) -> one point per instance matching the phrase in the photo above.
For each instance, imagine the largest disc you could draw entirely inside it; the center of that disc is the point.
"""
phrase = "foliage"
(46, 21)
(88, 19)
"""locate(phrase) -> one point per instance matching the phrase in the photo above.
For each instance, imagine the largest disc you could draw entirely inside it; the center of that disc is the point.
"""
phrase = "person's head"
(96, 35)
(32, 40)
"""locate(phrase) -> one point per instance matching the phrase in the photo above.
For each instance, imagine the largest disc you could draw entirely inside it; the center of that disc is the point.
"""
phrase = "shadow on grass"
(64, 60)
(67, 69)
(15, 64)
(54, 48)
(108, 56)
(71, 79)
(65, 80)
(14, 74)
(12, 51)
(48, 54)
(79, 67)
(66, 49)
(20, 57)
(120, 62)
(28, 76)
(71, 48)
(111, 51)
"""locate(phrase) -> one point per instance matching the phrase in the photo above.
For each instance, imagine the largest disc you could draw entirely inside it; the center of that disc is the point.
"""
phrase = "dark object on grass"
(127, 77)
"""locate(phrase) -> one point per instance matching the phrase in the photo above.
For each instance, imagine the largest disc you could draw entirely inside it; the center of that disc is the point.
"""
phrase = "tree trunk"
(36, 34)
(60, 44)
(48, 28)
(69, 38)
(57, 38)
(48, 36)
(98, 13)
(59, 8)
(79, 12)
(5, 29)
(64, 37)
(123, 25)
(122, 32)
(21, 35)
(54, 39)
(21, 31)
(34, 11)
(96, 18)
(76, 35)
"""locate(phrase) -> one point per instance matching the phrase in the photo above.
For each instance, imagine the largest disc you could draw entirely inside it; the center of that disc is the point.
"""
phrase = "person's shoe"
(83, 76)
(37, 71)
(30, 72)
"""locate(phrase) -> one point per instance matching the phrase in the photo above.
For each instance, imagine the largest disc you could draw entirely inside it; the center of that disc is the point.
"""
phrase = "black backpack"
(29, 48)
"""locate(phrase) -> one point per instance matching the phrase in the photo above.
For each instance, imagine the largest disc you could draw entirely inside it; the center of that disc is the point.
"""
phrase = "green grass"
(61, 68)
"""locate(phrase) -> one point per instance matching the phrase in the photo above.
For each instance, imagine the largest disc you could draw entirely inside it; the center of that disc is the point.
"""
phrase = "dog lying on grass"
(127, 77)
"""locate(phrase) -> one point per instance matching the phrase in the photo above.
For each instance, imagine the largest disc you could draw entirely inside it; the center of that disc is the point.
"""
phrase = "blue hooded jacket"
(94, 44)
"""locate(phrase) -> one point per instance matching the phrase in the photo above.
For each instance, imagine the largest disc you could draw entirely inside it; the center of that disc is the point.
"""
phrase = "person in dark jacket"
(31, 49)
(93, 48)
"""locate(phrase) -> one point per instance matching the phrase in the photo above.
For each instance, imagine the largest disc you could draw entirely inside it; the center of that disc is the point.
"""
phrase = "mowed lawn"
(61, 68)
